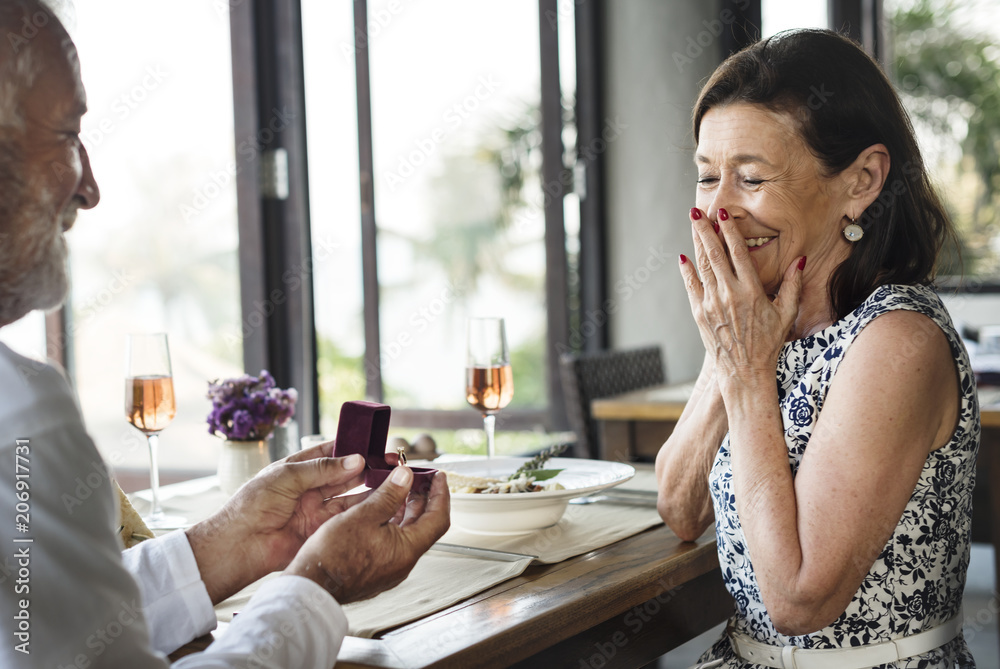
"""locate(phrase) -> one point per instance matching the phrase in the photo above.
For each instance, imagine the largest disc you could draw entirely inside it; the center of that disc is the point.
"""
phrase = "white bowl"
(518, 513)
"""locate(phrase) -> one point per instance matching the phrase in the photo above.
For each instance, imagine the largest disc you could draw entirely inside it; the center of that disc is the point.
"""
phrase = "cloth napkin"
(430, 587)
(194, 500)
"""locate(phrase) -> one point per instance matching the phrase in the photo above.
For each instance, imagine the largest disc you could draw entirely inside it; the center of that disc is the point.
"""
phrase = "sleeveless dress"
(918, 579)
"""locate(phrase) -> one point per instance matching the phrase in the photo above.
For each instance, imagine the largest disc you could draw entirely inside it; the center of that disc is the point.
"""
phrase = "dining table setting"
(548, 559)
(606, 577)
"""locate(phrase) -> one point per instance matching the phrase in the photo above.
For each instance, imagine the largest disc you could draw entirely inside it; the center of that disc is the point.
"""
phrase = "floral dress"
(918, 579)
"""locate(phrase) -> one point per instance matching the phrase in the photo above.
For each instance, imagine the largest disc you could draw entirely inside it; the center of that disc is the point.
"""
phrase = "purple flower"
(249, 407)
(243, 424)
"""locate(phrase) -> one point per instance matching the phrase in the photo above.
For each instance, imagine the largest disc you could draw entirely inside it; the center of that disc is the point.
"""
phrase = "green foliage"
(949, 80)
(473, 442)
(528, 363)
(341, 379)
(515, 153)
(486, 219)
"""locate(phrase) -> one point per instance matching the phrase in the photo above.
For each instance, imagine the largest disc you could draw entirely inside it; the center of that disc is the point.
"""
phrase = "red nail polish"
(802, 263)
(715, 226)
(695, 213)
(723, 215)
(683, 259)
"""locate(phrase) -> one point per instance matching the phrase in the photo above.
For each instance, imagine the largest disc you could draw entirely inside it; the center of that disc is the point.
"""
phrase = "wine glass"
(150, 406)
(489, 380)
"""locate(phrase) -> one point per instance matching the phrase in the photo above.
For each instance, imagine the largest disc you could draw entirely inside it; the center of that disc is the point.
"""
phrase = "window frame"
(861, 20)
(275, 253)
(274, 230)
(268, 73)
(554, 172)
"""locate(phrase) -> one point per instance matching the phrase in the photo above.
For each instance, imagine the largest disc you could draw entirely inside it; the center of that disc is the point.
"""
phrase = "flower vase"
(240, 461)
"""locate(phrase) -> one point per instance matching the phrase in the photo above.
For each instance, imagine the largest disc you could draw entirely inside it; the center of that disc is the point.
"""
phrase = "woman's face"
(753, 163)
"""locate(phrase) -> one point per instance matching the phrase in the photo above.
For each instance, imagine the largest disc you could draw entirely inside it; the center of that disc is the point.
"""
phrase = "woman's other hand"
(741, 326)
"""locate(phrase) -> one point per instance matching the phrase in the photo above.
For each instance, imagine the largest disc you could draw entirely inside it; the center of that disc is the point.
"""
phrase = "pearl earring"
(853, 232)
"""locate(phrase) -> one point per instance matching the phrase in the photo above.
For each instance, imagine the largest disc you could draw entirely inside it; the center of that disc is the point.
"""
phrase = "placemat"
(583, 528)
(437, 581)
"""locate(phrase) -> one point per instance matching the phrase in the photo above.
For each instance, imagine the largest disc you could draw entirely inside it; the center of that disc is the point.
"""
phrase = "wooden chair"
(589, 376)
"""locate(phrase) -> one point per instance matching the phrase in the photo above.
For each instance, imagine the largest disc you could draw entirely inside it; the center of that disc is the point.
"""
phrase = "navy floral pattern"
(917, 581)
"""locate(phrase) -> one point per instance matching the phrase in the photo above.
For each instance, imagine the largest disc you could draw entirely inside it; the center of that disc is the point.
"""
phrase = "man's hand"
(374, 542)
(266, 522)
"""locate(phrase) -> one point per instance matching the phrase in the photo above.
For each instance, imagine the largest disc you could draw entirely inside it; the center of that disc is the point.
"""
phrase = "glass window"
(457, 155)
(945, 63)
(160, 251)
(455, 127)
(335, 211)
(572, 159)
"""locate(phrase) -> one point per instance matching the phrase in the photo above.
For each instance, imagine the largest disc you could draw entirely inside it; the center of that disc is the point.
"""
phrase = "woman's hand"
(741, 326)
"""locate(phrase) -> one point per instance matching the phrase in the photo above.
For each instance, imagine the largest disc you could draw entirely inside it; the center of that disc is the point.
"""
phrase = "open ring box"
(364, 429)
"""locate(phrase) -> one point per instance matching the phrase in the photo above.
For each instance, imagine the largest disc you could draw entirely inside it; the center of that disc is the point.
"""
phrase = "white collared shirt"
(70, 598)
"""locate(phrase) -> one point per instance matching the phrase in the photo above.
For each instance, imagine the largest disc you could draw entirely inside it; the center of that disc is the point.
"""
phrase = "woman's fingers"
(787, 301)
(699, 294)
(739, 325)
(701, 261)
(739, 254)
(713, 262)
(692, 283)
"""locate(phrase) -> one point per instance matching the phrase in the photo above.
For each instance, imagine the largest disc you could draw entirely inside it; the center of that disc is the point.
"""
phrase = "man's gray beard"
(33, 251)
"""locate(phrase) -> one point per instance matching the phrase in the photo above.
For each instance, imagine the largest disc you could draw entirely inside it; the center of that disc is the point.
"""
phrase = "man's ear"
(866, 178)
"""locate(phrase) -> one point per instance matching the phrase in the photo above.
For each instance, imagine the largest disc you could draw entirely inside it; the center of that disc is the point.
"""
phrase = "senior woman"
(833, 430)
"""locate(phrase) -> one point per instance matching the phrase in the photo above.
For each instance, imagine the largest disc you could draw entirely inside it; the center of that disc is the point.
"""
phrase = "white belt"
(855, 657)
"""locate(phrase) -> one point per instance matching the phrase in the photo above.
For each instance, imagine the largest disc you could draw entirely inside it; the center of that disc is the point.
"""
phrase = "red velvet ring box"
(364, 429)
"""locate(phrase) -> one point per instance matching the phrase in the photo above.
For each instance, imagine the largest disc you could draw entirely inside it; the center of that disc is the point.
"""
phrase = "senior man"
(68, 596)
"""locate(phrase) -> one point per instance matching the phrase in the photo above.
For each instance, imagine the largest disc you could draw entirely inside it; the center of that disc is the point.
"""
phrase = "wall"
(657, 54)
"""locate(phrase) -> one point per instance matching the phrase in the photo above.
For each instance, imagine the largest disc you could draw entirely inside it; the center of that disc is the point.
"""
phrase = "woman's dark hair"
(844, 104)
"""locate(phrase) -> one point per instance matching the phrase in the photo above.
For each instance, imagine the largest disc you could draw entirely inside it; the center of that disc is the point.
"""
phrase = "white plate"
(517, 513)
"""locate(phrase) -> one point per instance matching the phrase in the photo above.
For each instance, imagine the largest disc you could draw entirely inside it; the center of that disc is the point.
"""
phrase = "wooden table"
(622, 605)
(638, 423)
(619, 606)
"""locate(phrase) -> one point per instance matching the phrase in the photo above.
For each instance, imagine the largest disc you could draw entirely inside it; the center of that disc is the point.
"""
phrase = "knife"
(482, 552)
(622, 496)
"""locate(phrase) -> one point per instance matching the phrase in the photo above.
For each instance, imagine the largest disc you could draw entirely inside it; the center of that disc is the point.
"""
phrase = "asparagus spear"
(538, 461)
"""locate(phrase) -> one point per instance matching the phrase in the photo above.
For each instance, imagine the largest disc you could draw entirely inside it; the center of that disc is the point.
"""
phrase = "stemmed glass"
(150, 406)
(489, 380)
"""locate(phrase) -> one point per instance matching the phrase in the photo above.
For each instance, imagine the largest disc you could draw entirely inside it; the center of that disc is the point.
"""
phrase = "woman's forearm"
(765, 492)
(684, 461)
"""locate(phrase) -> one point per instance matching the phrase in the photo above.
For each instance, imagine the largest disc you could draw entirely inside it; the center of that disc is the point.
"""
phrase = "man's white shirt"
(71, 598)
